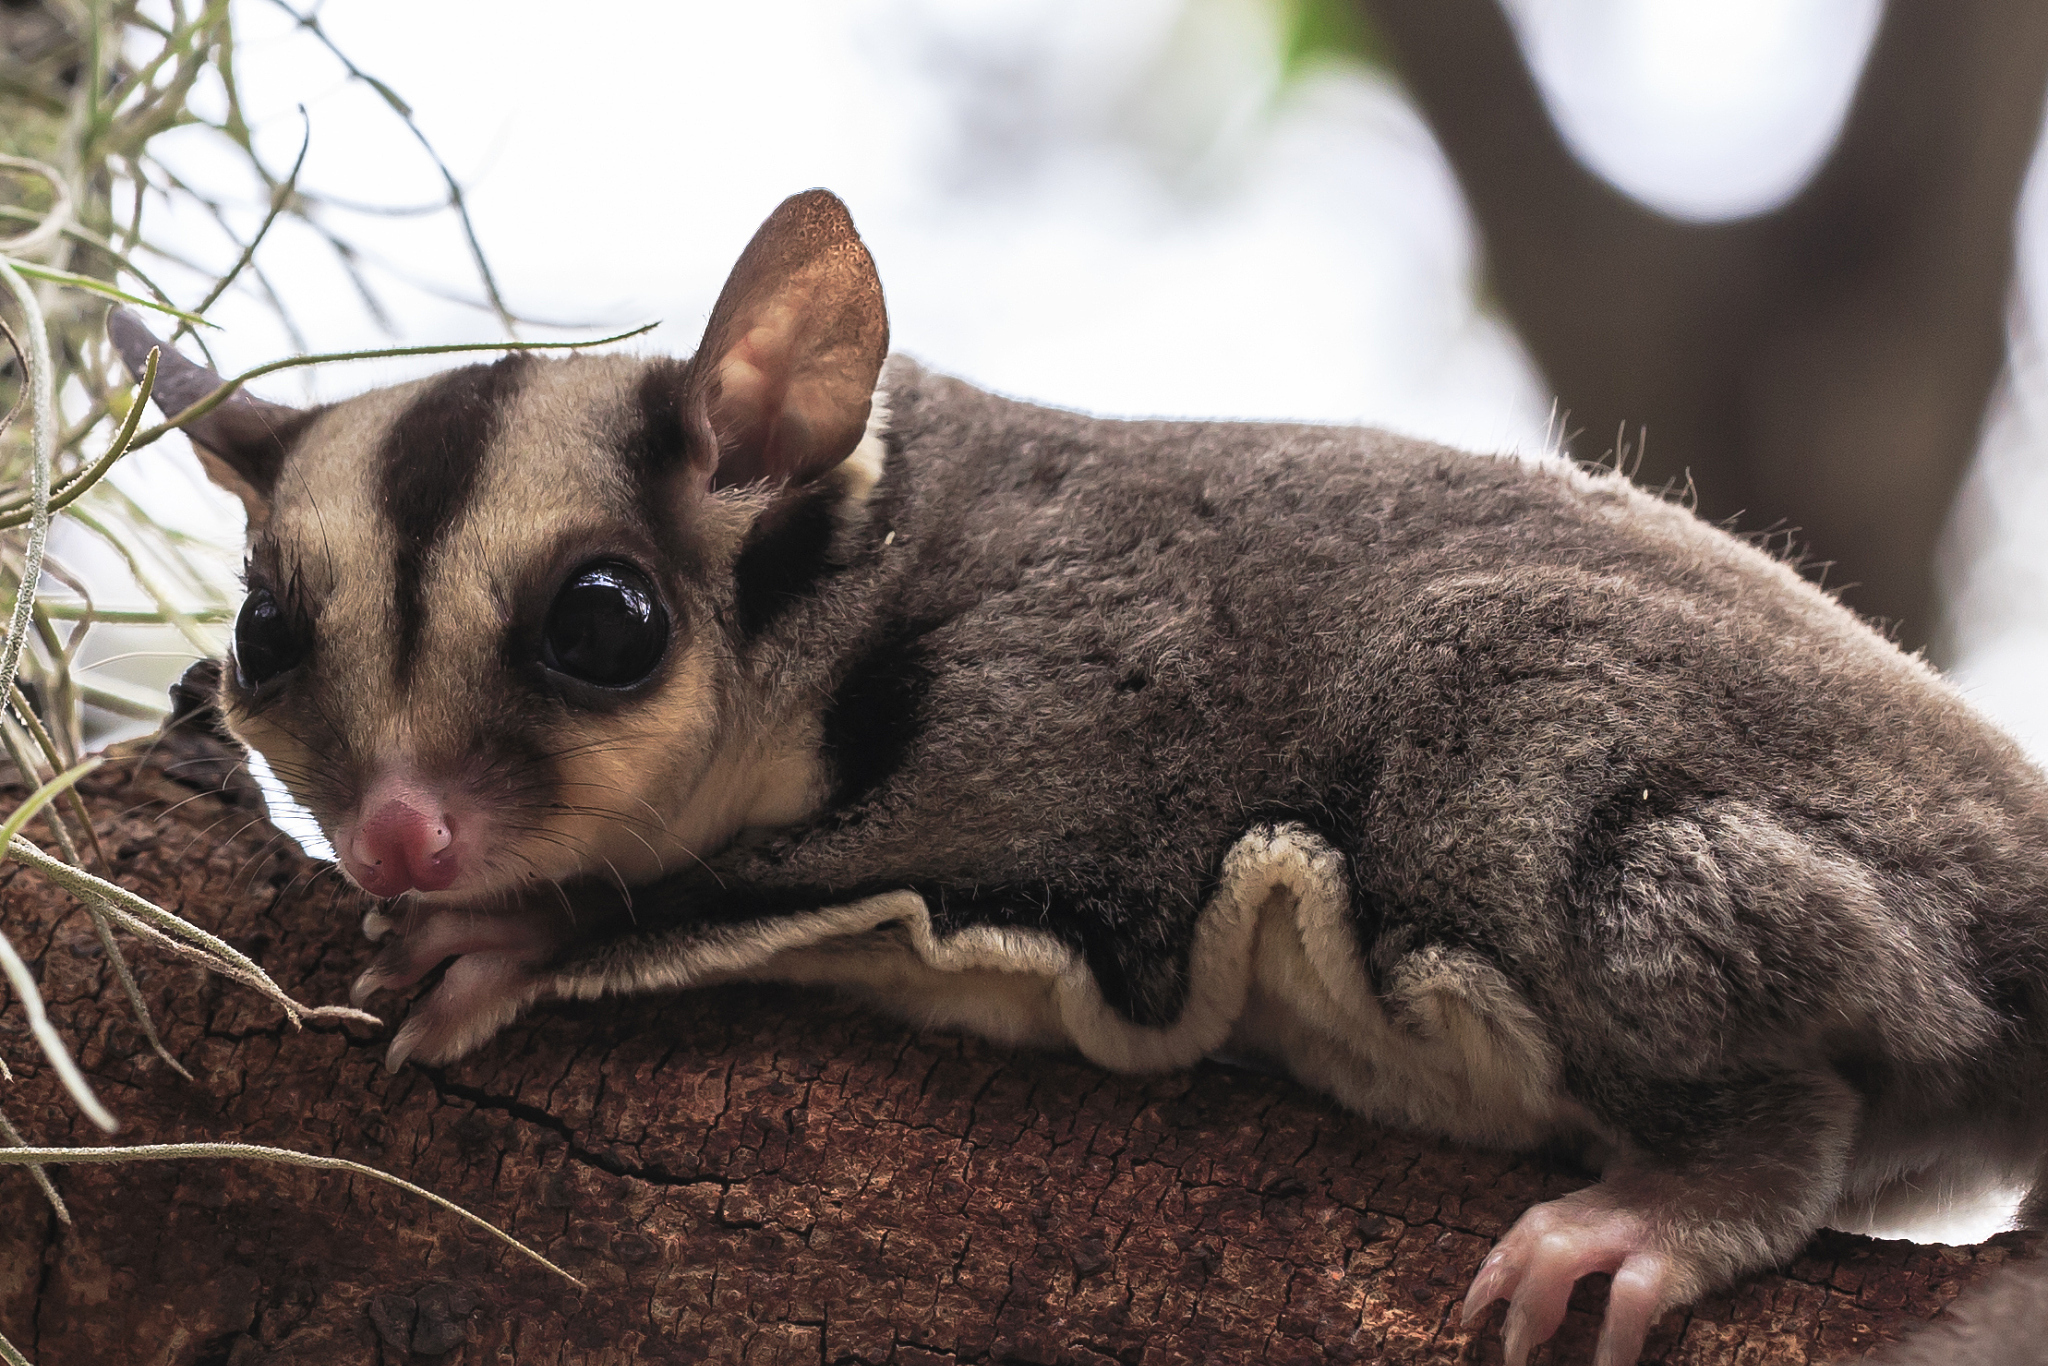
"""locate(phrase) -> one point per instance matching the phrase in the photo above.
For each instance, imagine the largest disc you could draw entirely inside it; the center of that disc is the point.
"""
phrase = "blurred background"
(1782, 257)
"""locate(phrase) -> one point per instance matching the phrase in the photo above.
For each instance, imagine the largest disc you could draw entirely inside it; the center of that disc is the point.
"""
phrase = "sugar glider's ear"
(242, 443)
(781, 386)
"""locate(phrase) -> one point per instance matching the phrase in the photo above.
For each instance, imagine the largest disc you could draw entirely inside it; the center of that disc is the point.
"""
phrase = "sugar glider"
(1497, 798)
(2003, 1323)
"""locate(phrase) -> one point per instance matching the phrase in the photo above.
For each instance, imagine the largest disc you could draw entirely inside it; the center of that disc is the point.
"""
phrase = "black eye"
(267, 641)
(606, 626)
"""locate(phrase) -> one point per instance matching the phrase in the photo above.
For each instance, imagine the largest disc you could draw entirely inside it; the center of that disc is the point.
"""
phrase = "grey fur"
(1497, 797)
(2002, 1324)
(1775, 893)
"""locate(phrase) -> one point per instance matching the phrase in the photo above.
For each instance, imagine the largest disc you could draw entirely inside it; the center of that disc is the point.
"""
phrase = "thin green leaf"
(229, 387)
(87, 283)
(279, 198)
(95, 241)
(31, 1001)
(1317, 31)
(43, 796)
(71, 490)
(43, 421)
(49, 225)
(115, 897)
(42, 1178)
(456, 201)
(128, 907)
(123, 699)
(202, 644)
(20, 358)
(47, 743)
(102, 923)
(127, 616)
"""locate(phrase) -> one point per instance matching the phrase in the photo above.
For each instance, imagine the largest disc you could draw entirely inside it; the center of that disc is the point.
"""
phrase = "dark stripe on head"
(656, 451)
(431, 458)
(788, 552)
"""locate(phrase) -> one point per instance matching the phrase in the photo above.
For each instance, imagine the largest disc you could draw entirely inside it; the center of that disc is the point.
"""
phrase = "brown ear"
(242, 443)
(787, 370)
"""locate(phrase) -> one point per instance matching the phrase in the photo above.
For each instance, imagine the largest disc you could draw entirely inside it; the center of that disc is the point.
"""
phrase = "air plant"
(84, 91)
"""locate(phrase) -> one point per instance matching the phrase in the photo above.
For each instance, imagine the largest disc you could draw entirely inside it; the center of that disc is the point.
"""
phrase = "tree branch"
(750, 1174)
(1824, 366)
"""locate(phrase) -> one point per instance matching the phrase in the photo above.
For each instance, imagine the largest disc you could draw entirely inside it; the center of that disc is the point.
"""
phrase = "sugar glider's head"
(486, 634)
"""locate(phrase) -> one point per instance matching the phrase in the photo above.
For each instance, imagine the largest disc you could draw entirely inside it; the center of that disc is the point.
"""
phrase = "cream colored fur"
(1273, 971)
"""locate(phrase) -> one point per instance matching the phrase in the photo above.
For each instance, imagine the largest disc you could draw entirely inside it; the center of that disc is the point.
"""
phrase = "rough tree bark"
(745, 1174)
(1825, 366)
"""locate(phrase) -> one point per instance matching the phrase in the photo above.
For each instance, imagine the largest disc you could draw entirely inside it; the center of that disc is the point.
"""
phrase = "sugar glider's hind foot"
(1550, 1247)
(1740, 1189)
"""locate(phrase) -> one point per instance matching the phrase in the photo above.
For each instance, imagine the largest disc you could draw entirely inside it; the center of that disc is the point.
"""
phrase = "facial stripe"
(655, 448)
(656, 444)
(430, 460)
(786, 555)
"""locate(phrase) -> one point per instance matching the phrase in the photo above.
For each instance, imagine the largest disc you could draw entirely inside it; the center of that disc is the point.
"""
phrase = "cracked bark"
(748, 1174)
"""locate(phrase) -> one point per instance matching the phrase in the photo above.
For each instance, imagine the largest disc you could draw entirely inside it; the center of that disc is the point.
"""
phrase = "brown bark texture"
(747, 1174)
(1821, 369)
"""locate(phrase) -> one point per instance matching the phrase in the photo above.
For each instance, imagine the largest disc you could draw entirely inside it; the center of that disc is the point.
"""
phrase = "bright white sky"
(1011, 165)
(1702, 108)
(1105, 206)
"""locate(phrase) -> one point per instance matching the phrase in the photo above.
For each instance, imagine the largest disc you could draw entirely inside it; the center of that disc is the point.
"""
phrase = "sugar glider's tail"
(2004, 1323)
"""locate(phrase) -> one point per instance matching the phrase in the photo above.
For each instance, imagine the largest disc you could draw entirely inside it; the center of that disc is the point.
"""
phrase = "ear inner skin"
(242, 443)
(783, 380)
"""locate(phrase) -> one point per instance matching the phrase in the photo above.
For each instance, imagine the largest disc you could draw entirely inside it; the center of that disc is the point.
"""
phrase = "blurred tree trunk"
(1825, 366)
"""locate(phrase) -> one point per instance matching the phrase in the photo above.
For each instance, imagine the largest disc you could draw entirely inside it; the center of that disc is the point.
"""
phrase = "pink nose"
(399, 848)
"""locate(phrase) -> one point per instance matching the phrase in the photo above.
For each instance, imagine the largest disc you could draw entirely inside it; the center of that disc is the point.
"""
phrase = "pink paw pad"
(1543, 1256)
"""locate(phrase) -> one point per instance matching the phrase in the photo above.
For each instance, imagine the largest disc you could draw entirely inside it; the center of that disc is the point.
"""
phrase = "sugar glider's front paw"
(498, 971)
(1535, 1266)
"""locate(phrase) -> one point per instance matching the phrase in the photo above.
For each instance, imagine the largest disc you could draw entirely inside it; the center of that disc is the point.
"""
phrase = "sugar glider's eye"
(607, 626)
(268, 641)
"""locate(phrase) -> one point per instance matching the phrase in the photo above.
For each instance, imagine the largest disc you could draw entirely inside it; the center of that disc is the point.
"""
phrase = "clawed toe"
(400, 963)
(1543, 1256)
(1641, 1291)
(1497, 1278)
(495, 972)
(481, 994)
(429, 936)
